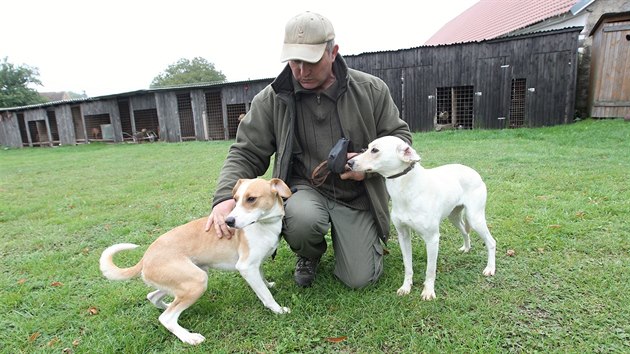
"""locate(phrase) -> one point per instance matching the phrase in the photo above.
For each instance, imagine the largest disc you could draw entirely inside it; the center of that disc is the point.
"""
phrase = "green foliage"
(74, 95)
(197, 70)
(14, 81)
(559, 197)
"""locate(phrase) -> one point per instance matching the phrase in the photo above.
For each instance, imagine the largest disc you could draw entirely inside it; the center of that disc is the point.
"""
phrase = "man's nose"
(305, 67)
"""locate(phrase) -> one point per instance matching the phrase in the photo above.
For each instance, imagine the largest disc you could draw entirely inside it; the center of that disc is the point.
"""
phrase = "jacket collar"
(283, 83)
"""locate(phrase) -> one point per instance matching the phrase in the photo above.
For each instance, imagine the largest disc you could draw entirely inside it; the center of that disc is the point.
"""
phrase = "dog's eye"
(251, 200)
(374, 150)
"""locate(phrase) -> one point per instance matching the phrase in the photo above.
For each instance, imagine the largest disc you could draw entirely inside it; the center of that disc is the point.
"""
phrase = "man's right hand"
(217, 218)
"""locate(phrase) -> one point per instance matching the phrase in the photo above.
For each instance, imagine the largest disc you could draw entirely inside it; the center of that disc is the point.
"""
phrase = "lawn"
(559, 202)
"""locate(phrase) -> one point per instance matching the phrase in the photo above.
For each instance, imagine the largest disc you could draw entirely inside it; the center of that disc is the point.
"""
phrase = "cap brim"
(310, 53)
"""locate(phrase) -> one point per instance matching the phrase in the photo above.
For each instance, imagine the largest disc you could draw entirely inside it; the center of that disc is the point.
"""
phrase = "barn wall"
(166, 104)
(65, 125)
(482, 73)
(10, 135)
(198, 103)
(102, 108)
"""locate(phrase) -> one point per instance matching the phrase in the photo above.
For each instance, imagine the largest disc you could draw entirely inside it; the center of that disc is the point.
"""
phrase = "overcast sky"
(114, 46)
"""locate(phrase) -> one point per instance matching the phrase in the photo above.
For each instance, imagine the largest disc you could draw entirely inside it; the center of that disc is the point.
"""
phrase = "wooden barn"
(519, 81)
(609, 94)
(525, 80)
(195, 112)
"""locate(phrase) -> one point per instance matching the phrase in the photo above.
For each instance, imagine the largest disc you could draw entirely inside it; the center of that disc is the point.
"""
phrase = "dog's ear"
(238, 184)
(280, 187)
(408, 154)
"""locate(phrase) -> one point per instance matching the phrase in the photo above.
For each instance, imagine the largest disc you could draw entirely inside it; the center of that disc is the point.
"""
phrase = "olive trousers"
(358, 250)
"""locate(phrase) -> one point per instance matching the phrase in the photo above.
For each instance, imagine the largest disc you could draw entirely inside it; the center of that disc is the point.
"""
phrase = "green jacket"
(366, 109)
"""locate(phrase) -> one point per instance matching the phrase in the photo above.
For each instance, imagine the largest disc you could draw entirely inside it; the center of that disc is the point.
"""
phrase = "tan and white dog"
(422, 198)
(176, 263)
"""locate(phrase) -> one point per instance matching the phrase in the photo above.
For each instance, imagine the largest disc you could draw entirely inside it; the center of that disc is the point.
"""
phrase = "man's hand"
(353, 175)
(217, 218)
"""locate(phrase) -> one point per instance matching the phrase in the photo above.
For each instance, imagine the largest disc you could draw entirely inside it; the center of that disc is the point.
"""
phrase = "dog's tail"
(113, 272)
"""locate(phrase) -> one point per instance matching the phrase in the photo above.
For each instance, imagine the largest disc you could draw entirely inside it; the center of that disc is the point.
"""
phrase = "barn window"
(95, 124)
(52, 122)
(186, 122)
(215, 116)
(22, 125)
(125, 119)
(455, 107)
(147, 119)
(517, 103)
(234, 111)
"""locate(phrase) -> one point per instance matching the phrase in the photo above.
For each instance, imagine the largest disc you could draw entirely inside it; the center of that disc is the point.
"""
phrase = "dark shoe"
(305, 271)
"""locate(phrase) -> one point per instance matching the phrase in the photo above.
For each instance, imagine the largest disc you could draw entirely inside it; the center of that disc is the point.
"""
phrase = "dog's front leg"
(254, 278)
(432, 244)
(268, 284)
(404, 239)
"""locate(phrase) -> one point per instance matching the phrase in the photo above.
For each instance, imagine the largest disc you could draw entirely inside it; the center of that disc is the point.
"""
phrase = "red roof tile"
(491, 18)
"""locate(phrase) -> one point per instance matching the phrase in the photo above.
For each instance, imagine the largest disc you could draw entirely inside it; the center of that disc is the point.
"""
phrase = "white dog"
(176, 263)
(422, 198)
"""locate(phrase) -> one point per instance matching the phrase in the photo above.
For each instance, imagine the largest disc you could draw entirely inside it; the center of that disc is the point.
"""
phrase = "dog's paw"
(464, 249)
(192, 338)
(270, 284)
(489, 271)
(428, 294)
(282, 310)
(403, 290)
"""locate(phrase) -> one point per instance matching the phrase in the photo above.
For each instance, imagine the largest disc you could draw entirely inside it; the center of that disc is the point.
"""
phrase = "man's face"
(315, 76)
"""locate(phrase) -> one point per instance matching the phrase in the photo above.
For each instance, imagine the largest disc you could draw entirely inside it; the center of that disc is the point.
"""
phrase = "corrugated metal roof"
(506, 37)
(492, 18)
(206, 85)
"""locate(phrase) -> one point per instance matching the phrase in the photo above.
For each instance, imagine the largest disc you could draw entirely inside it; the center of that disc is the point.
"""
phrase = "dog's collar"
(269, 218)
(404, 172)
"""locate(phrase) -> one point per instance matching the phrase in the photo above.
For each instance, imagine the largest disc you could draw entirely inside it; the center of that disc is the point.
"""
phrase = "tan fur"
(176, 263)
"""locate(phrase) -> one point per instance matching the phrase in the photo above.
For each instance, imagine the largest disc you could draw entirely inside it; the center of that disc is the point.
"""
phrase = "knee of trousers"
(360, 280)
(360, 277)
(304, 228)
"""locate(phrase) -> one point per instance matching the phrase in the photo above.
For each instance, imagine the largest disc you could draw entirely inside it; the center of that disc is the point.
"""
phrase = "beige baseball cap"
(305, 37)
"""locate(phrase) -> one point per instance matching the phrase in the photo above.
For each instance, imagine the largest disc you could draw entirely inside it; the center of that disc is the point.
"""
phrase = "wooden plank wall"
(166, 104)
(10, 130)
(546, 60)
(610, 70)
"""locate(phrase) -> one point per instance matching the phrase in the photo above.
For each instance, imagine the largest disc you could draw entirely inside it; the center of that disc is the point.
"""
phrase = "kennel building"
(524, 80)
(173, 114)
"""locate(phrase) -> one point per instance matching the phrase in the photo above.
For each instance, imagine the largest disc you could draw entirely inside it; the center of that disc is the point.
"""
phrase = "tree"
(14, 81)
(185, 71)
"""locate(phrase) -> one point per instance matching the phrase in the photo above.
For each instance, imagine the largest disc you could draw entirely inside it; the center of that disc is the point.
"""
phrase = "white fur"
(422, 198)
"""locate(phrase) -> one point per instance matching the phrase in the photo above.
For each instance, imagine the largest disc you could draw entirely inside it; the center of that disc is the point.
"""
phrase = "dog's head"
(386, 156)
(257, 200)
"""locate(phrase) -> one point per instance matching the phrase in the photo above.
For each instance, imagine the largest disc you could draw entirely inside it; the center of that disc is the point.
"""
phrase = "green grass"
(559, 197)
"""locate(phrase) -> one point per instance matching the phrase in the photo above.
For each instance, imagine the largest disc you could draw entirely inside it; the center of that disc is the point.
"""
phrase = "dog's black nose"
(350, 163)
(230, 221)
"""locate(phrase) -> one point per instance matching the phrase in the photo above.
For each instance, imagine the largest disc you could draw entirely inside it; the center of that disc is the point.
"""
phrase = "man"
(314, 102)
